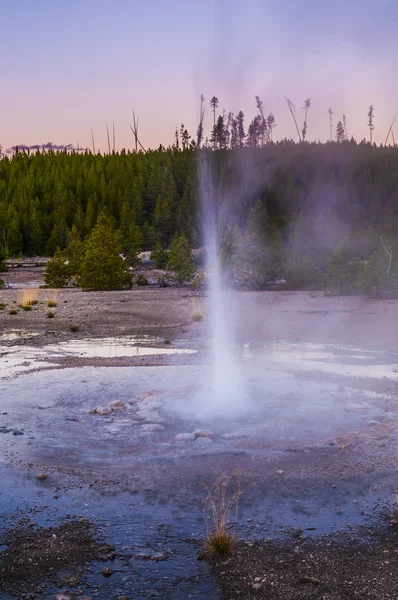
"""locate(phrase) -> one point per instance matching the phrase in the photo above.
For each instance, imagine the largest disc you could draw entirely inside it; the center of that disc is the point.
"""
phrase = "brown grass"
(197, 311)
(218, 506)
(52, 298)
(27, 297)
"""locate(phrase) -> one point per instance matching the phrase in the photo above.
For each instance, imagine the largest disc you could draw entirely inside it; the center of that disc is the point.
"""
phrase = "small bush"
(167, 342)
(58, 271)
(217, 508)
(2, 283)
(13, 312)
(160, 257)
(2, 306)
(50, 314)
(74, 328)
(199, 282)
(52, 298)
(141, 280)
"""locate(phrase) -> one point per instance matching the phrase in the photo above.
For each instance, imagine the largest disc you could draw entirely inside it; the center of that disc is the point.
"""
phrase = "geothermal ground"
(106, 447)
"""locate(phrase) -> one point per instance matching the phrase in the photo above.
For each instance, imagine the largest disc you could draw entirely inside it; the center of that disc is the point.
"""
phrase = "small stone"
(279, 472)
(103, 410)
(203, 441)
(65, 595)
(235, 435)
(42, 476)
(107, 571)
(152, 427)
(158, 556)
(203, 433)
(185, 437)
(257, 586)
(155, 419)
(116, 404)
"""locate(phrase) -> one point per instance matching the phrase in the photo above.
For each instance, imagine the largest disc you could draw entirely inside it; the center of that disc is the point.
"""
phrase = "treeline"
(297, 211)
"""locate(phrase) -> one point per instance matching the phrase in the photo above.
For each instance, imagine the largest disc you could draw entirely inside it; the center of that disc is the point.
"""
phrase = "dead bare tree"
(306, 107)
(331, 113)
(292, 109)
(389, 254)
(134, 130)
(92, 139)
(113, 136)
(389, 132)
(345, 126)
(265, 135)
(199, 133)
(109, 141)
(370, 122)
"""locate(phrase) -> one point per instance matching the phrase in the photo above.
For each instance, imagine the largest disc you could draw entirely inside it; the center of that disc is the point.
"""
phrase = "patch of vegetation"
(167, 342)
(58, 273)
(160, 256)
(197, 311)
(141, 280)
(50, 314)
(52, 298)
(2, 283)
(102, 267)
(2, 305)
(217, 509)
(181, 262)
(74, 328)
(27, 298)
(12, 311)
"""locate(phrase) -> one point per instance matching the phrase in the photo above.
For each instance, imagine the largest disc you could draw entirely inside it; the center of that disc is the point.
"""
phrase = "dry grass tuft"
(217, 508)
(52, 298)
(197, 311)
(27, 297)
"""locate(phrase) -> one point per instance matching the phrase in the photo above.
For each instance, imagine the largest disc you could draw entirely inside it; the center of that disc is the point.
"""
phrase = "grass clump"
(52, 298)
(167, 342)
(13, 312)
(74, 328)
(27, 298)
(50, 314)
(217, 509)
(2, 305)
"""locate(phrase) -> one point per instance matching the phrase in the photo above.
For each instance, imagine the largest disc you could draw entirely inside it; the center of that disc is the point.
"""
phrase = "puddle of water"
(112, 348)
(314, 357)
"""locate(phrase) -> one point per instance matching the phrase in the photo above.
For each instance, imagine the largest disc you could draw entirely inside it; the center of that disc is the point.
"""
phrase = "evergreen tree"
(58, 273)
(102, 267)
(181, 262)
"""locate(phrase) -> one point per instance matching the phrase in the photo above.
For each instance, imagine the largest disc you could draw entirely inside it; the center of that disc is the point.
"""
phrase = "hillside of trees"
(297, 211)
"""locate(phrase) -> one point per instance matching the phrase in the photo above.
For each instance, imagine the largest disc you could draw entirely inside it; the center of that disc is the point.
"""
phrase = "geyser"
(224, 393)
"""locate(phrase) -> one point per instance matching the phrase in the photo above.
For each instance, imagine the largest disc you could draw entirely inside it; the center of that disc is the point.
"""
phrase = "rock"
(155, 419)
(279, 471)
(102, 410)
(17, 432)
(116, 404)
(41, 476)
(158, 556)
(203, 441)
(235, 435)
(152, 427)
(70, 579)
(257, 586)
(122, 598)
(185, 437)
(107, 571)
(203, 433)
(65, 595)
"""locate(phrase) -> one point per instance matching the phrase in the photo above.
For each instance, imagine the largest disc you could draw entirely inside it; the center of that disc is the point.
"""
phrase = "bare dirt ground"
(314, 521)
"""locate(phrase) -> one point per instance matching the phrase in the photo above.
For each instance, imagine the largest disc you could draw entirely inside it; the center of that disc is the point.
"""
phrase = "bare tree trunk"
(291, 108)
(389, 132)
(92, 139)
(109, 141)
(389, 254)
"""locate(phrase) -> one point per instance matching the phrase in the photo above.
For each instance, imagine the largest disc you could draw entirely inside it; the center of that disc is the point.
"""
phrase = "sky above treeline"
(69, 65)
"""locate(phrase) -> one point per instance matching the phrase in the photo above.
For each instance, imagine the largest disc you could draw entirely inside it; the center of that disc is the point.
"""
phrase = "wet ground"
(119, 431)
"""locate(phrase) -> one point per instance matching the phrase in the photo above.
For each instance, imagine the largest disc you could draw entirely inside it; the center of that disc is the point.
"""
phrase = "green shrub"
(181, 262)
(160, 257)
(50, 314)
(2, 283)
(141, 280)
(12, 311)
(58, 273)
(102, 267)
(74, 328)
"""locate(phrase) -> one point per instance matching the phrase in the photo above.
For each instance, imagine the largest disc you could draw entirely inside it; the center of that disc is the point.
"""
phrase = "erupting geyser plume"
(224, 393)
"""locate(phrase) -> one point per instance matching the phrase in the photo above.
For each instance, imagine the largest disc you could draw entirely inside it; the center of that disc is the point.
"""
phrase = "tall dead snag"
(113, 137)
(292, 109)
(265, 136)
(389, 254)
(389, 133)
(370, 122)
(306, 107)
(331, 113)
(199, 133)
(92, 140)
(109, 141)
(134, 130)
